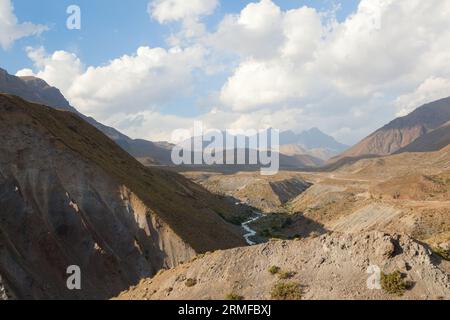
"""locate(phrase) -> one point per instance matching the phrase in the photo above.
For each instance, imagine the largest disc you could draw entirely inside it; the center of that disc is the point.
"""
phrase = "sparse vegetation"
(444, 254)
(274, 270)
(190, 282)
(284, 275)
(233, 296)
(286, 291)
(394, 283)
(272, 226)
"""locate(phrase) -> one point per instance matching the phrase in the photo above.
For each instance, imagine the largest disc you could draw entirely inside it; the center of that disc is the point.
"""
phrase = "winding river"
(250, 232)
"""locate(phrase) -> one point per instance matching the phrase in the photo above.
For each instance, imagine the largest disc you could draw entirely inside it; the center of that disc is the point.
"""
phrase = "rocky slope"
(433, 141)
(71, 196)
(402, 131)
(38, 91)
(328, 267)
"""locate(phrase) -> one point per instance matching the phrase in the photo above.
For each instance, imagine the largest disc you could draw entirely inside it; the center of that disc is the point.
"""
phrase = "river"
(250, 232)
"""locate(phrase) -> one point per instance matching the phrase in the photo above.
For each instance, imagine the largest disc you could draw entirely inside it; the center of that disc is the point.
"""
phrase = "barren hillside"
(71, 196)
(337, 266)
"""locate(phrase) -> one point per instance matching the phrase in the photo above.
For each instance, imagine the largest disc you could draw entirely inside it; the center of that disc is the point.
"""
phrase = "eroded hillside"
(70, 196)
(336, 266)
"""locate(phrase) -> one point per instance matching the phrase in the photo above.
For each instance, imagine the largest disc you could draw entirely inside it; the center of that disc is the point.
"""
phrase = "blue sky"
(346, 67)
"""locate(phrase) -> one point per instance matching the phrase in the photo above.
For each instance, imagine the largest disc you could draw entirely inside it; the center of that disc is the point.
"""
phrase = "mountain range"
(307, 149)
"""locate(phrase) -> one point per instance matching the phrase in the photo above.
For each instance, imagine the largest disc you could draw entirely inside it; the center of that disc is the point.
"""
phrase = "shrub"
(233, 296)
(284, 275)
(394, 283)
(286, 291)
(190, 282)
(274, 269)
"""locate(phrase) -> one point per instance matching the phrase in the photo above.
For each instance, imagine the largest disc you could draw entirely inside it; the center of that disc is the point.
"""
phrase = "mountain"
(69, 196)
(311, 139)
(298, 159)
(37, 90)
(401, 132)
(312, 142)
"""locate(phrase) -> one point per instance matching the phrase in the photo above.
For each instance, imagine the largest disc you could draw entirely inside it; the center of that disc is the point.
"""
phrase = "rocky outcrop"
(333, 266)
(70, 196)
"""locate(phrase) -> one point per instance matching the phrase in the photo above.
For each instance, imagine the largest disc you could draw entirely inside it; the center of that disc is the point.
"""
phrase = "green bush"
(286, 291)
(274, 269)
(394, 283)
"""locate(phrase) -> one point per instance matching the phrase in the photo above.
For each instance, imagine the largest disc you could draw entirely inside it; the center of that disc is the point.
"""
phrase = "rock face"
(38, 91)
(402, 131)
(337, 266)
(71, 196)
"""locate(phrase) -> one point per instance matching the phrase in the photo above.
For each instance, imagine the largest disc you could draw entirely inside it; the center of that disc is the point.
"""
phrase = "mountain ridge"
(37, 90)
(401, 132)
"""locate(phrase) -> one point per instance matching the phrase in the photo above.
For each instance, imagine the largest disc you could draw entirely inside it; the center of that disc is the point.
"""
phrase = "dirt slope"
(329, 267)
(69, 195)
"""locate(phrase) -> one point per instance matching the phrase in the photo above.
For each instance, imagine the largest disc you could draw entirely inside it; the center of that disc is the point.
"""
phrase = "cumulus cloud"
(430, 90)
(165, 11)
(10, 28)
(145, 80)
(342, 70)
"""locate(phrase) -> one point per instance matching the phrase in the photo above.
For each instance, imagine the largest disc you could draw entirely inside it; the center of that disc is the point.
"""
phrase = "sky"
(149, 67)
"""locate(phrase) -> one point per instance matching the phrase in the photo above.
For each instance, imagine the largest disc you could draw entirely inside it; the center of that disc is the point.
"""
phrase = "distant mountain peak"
(312, 139)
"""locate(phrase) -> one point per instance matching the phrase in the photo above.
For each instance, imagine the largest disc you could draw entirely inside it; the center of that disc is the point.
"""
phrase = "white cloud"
(350, 71)
(255, 32)
(176, 10)
(132, 83)
(430, 90)
(289, 69)
(10, 28)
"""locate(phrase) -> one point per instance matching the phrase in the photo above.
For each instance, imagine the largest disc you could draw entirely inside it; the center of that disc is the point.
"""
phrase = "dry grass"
(233, 296)
(286, 291)
(394, 283)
